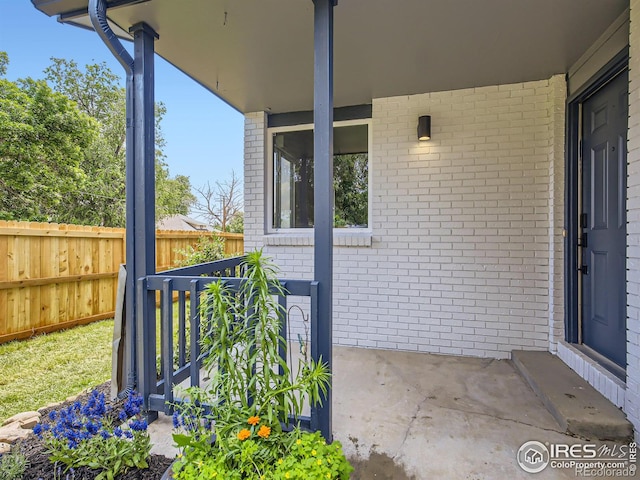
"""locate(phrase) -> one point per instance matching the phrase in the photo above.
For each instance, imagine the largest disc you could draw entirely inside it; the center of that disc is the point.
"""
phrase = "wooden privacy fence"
(57, 276)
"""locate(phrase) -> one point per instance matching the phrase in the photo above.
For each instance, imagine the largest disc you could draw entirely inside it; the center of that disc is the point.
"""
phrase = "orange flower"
(264, 431)
(244, 434)
(253, 420)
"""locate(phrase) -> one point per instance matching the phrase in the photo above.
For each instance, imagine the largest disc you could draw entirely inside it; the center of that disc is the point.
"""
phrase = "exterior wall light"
(424, 127)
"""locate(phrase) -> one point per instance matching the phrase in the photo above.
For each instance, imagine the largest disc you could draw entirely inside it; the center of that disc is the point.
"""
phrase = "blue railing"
(180, 358)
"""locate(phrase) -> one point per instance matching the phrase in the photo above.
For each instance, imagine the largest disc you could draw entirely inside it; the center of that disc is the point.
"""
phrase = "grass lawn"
(50, 368)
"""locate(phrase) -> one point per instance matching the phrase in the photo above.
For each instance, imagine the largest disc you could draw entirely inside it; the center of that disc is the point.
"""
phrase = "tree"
(101, 201)
(236, 225)
(173, 195)
(220, 203)
(351, 186)
(62, 149)
(4, 62)
(42, 139)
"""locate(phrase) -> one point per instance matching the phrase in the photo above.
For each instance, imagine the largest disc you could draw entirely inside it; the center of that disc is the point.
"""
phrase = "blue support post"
(323, 192)
(141, 193)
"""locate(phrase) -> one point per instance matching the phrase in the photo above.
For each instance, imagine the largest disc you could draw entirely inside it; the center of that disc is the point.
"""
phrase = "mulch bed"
(41, 468)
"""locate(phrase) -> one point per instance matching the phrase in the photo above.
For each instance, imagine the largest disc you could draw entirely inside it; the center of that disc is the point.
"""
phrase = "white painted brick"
(632, 396)
(466, 251)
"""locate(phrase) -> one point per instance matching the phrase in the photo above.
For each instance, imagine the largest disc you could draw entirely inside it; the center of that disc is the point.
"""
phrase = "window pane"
(351, 186)
(293, 178)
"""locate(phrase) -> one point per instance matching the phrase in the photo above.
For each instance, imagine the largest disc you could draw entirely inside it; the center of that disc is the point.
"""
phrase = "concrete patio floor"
(403, 415)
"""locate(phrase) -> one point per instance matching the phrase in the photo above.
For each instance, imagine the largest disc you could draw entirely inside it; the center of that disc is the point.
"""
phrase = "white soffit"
(258, 54)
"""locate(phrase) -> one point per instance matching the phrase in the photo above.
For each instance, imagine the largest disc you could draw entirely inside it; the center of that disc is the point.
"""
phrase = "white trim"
(301, 233)
(605, 382)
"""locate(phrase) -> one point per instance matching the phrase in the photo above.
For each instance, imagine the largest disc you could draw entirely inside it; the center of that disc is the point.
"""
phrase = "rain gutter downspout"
(98, 15)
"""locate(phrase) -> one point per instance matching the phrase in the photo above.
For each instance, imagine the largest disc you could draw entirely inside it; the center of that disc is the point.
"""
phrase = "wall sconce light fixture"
(424, 127)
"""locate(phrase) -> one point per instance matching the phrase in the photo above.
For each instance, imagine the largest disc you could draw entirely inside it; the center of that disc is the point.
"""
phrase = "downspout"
(98, 16)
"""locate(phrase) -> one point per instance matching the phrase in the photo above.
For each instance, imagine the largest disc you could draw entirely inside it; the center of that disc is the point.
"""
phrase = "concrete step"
(577, 407)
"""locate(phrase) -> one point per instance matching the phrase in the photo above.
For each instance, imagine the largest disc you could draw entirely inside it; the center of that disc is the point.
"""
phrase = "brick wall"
(466, 250)
(556, 211)
(632, 407)
(255, 135)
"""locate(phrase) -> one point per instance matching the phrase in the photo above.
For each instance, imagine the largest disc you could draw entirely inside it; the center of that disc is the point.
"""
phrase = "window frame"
(270, 180)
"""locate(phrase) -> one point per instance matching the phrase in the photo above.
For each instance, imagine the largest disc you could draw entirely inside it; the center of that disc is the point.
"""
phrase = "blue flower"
(52, 415)
(133, 404)
(122, 415)
(104, 434)
(92, 428)
(139, 425)
(176, 419)
(117, 432)
(38, 430)
(128, 434)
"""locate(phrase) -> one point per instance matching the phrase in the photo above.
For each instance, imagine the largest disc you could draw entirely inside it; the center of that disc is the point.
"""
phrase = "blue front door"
(603, 222)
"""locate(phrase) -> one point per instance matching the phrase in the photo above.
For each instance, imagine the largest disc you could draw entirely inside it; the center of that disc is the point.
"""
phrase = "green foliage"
(208, 249)
(87, 435)
(253, 391)
(242, 356)
(42, 137)
(62, 149)
(13, 465)
(173, 195)
(96, 91)
(101, 201)
(351, 185)
(236, 225)
(111, 455)
(311, 457)
(295, 455)
(4, 63)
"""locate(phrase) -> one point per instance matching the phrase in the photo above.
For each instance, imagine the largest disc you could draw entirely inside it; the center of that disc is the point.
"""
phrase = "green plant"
(242, 341)
(91, 436)
(311, 457)
(300, 456)
(13, 465)
(208, 249)
(234, 428)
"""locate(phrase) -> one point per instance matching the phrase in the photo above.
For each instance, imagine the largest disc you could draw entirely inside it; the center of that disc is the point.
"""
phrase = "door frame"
(572, 185)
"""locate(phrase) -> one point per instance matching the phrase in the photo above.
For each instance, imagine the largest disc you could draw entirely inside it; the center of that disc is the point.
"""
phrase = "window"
(293, 177)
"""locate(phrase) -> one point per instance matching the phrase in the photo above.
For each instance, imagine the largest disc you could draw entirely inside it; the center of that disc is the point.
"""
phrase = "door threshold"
(603, 361)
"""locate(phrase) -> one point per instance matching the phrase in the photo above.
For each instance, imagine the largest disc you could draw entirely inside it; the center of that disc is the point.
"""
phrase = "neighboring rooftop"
(181, 222)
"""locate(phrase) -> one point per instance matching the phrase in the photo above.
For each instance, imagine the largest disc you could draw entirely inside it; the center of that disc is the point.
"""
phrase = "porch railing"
(180, 358)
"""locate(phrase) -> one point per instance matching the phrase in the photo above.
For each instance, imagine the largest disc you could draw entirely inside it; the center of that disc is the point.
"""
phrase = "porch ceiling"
(258, 54)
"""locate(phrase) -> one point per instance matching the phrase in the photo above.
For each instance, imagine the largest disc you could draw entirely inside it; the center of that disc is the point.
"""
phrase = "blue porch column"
(323, 193)
(141, 230)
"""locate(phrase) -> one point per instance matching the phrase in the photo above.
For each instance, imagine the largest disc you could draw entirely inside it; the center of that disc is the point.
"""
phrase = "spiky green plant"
(253, 391)
(242, 348)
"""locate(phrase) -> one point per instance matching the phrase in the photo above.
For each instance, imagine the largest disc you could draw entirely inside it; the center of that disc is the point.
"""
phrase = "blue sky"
(204, 135)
